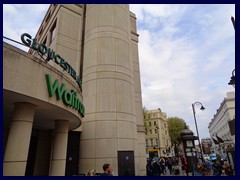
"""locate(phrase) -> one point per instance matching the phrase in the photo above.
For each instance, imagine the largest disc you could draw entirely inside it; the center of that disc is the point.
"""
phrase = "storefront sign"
(51, 55)
(68, 97)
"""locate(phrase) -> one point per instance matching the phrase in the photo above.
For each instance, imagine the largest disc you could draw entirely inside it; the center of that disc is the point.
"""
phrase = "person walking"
(162, 165)
(217, 168)
(227, 170)
(156, 167)
(169, 164)
(149, 168)
(107, 170)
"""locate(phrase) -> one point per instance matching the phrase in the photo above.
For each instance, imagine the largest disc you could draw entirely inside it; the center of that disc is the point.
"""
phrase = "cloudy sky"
(186, 53)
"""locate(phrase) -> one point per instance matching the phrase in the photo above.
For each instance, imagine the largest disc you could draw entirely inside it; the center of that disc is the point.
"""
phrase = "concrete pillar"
(108, 87)
(59, 148)
(43, 153)
(16, 153)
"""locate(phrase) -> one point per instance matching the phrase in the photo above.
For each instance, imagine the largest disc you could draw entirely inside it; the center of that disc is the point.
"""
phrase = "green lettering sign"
(68, 97)
(44, 50)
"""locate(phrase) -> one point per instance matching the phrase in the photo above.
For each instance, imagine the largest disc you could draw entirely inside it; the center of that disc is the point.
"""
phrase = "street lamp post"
(194, 115)
(232, 81)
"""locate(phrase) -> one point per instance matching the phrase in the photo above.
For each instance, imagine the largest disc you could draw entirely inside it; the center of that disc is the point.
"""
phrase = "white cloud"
(183, 58)
(22, 18)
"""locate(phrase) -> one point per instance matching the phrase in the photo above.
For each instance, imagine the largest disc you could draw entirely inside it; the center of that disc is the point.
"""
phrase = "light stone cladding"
(111, 89)
(219, 124)
(156, 132)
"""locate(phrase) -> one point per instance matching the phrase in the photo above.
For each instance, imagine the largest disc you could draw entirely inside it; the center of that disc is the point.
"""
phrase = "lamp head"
(202, 108)
(232, 81)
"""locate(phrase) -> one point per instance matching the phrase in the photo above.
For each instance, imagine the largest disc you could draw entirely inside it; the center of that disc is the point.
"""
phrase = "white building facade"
(219, 127)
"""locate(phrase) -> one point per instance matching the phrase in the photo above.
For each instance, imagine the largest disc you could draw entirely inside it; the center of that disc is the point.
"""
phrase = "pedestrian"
(162, 165)
(185, 166)
(149, 168)
(156, 167)
(217, 168)
(107, 170)
(227, 170)
(91, 172)
(169, 164)
(176, 169)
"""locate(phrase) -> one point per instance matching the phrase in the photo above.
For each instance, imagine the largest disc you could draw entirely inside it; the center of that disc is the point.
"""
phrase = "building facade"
(158, 142)
(219, 126)
(76, 100)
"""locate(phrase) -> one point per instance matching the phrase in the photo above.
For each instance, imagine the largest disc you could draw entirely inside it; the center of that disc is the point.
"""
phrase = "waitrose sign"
(69, 97)
(51, 55)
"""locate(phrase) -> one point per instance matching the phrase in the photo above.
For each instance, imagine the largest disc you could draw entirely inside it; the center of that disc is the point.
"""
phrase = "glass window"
(48, 17)
(40, 32)
(45, 41)
(151, 142)
(53, 30)
(155, 123)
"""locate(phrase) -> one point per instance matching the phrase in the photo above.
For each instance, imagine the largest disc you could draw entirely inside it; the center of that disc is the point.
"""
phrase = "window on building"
(45, 41)
(48, 17)
(150, 123)
(165, 125)
(40, 32)
(155, 123)
(155, 131)
(53, 30)
(145, 130)
(151, 141)
(147, 142)
(149, 116)
(157, 142)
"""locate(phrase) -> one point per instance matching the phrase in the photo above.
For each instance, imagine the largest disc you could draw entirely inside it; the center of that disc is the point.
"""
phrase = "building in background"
(158, 141)
(219, 127)
(222, 129)
(81, 53)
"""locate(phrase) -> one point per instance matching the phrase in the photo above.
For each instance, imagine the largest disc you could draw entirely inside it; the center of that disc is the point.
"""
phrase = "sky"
(186, 54)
